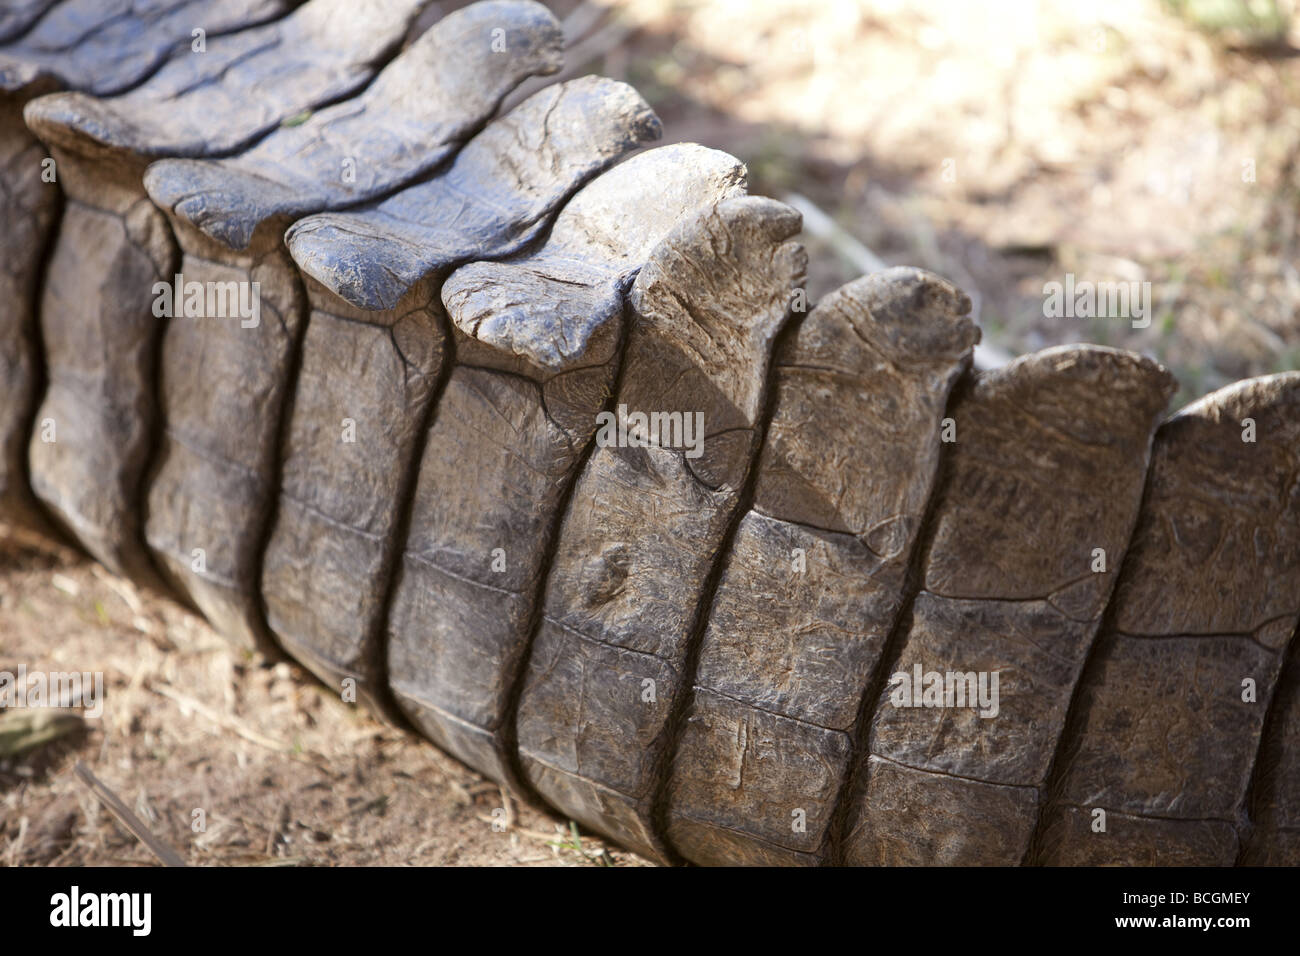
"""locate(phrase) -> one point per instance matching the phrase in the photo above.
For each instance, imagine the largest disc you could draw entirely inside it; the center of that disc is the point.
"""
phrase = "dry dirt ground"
(1002, 145)
(283, 771)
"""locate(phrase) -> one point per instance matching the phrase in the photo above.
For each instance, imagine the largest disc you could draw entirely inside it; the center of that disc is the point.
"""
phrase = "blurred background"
(1004, 145)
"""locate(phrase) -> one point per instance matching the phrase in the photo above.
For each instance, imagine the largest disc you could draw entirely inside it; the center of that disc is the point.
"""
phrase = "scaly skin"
(706, 652)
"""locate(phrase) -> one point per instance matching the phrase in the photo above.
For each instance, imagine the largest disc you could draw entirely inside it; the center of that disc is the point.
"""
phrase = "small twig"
(818, 224)
(134, 824)
(594, 47)
(229, 723)
(275, 828)
(580, 22)
(16, 848)
(62, 582)
(509, 806)
(119, 587)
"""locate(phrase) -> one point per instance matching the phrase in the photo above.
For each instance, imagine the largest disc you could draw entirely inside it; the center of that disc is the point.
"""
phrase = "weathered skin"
(1209, 598)
(329, 561)
(94, 425)
(537, 353)
(95, 47)
(815, 576)
(18, 15)
(97, 315)
(416, 114)
(1047, 466)
(1274, 806)
(622, 627)
(645, 525)
(362, 393)
(245, 83)
(29, 209)
(495, 197)
(104, 47)
(217, 476)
